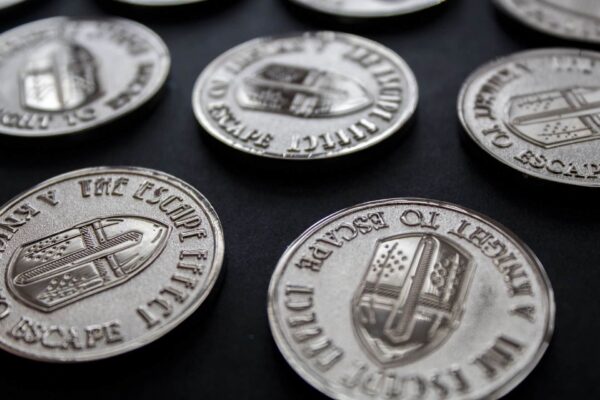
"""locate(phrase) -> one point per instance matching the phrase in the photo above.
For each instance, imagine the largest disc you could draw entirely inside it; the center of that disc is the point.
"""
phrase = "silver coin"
(159, 3)
(410, 299)
(308, 96)
(569, 19)
(101, 261)
(9, 3)
(368, 8)
(538, 112)
(65, 75)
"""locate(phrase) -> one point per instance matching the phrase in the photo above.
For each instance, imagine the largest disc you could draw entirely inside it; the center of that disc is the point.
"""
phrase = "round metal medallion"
(368, 8)
(569, 19)
(308, 96)
(538, 112)
(66, 75)
(101, 261)
(410, 298)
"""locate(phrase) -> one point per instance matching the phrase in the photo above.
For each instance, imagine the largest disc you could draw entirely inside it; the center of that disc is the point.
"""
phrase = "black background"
(225, 350)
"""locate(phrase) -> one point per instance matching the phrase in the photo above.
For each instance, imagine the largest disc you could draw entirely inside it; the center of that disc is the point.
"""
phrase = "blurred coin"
(101, 261)
(368, 8)
(538, 112)
(159, 3)
(569, 19)
(66, 75)
(315, 95)
(410, 299)
(9, 3)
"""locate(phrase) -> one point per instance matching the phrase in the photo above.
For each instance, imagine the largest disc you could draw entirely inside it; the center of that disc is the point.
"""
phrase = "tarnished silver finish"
(368, 8)
(159, 3)
(569, 19)
(101, 261)
(538, 112)
(410, 299)
(64, 75)
(315, 95)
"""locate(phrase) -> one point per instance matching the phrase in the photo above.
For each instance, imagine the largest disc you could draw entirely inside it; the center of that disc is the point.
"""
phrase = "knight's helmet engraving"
(59, 76)
(302, 92)
(412, 297)
(591, 7)
(557, 117)
(89, 258)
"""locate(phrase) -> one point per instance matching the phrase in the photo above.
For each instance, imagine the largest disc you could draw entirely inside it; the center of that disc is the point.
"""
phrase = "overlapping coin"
(538, 112)
(368, 8)
(569, 19)
(101, 261)
(410, 299)
(66, 75)
(307, 96)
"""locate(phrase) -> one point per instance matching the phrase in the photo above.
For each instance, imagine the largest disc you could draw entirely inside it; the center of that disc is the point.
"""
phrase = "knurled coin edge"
(164, 58)
(219, 248)
(412, 96)
(320, 384)
(494, 64)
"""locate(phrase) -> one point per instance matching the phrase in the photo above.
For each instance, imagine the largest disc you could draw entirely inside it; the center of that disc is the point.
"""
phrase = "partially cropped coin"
(66, 75)
(9, 3)
(314, 95)
(368, 8)
(101, 261)
(159, 3)
(538, 112)
(410, 299)
(569, 19)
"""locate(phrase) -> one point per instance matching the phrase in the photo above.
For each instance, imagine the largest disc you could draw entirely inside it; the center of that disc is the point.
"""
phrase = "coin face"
(409, 298)
(368, 8)
(159, 2)
(101, 261)
(538, 112)
(65, 75)
(569, 19)
(315, 95)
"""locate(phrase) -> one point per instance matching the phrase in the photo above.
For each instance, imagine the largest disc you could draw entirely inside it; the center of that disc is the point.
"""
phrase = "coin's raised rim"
(510, 10)
(358, 15)
(164, 57)
(319, 383)
(495, 64)
(143, 340)
(208, 126)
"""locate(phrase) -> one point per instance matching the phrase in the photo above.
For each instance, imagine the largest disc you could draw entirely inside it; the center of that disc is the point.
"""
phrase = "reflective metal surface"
(65, 75)
(101, 261)
(569, 19)
(316, 95)
(410, 298)
(538, 112)
(368, 8)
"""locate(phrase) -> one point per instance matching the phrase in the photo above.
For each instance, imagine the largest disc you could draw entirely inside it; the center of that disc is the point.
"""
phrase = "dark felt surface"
(225, 351)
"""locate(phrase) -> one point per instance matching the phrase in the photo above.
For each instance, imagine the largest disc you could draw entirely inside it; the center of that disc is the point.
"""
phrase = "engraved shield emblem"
(556, 118)
(411, 298)
(302, 92)
(59, 76)
(89, 258)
